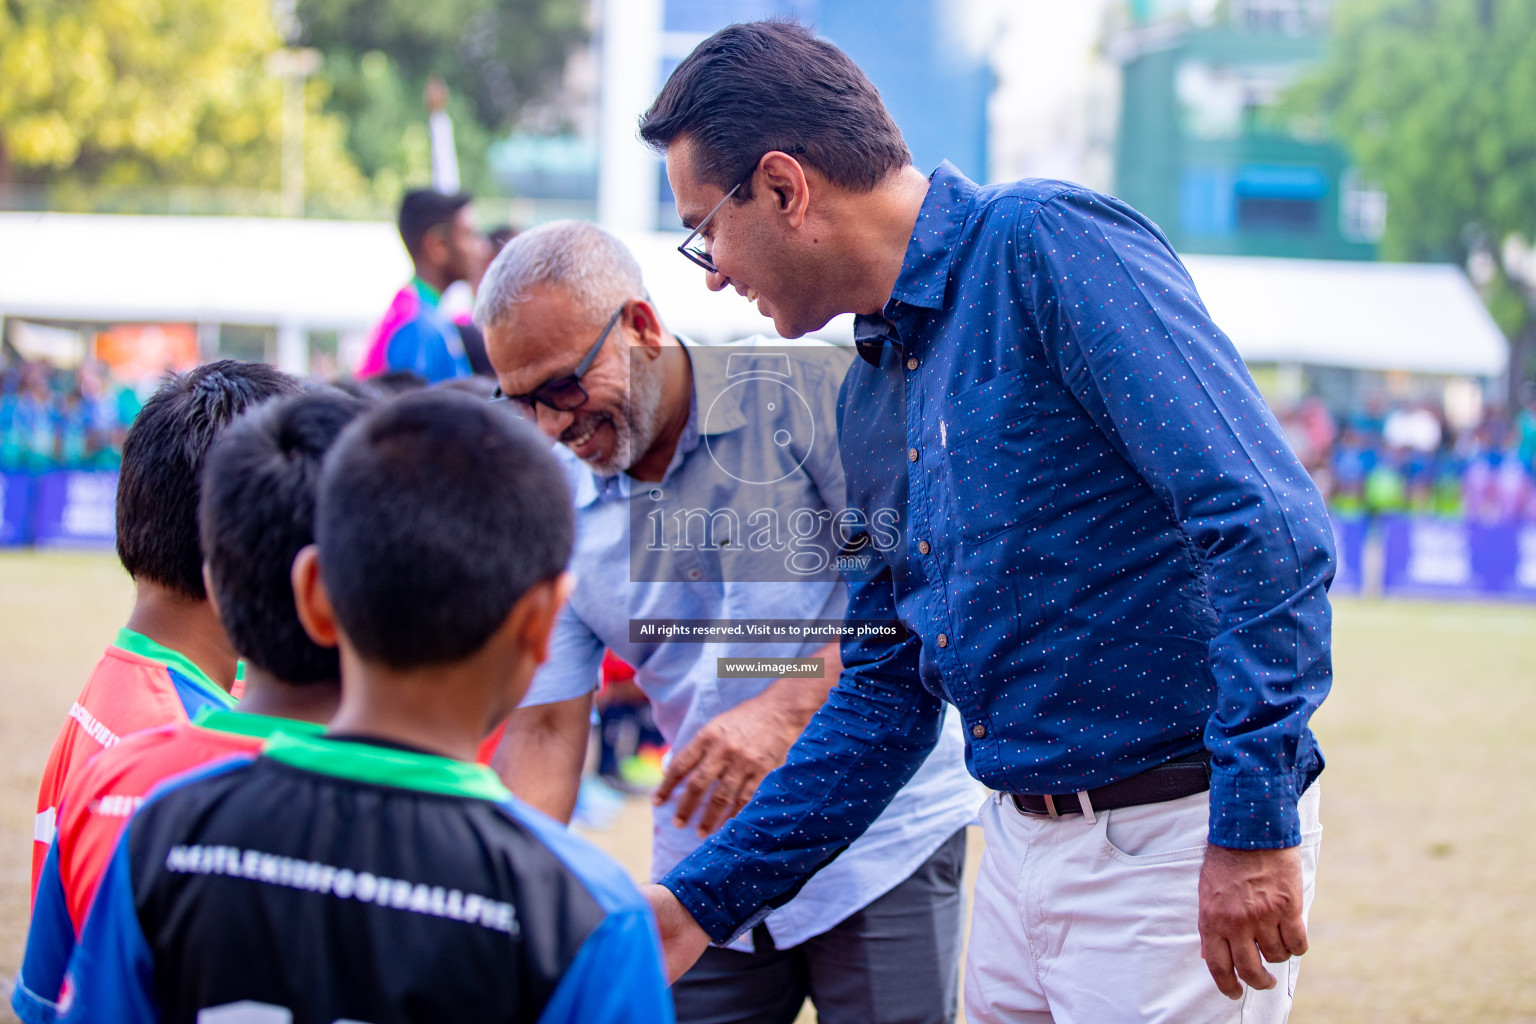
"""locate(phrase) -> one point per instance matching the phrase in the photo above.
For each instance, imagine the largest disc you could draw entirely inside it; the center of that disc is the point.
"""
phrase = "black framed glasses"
(563, 394)
(700, 255)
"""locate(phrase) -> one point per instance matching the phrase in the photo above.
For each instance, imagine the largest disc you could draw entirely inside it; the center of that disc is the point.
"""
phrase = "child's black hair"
(157, 488)
(257, 512)
(437, 512)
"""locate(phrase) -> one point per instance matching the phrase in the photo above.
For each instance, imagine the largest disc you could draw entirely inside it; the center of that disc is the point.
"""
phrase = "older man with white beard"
(710, 498)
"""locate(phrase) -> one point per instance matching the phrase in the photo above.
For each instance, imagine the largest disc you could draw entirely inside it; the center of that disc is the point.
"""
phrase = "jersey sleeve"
(50, 941)
(111, 977)
(616, 978)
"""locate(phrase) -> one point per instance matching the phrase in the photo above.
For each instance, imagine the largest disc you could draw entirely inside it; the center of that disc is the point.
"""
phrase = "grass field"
(1426, 899)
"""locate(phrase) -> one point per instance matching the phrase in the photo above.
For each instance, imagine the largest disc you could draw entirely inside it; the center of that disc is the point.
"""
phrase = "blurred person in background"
(474, 340)
(32, 444)
(575, 341)
(445, 246)
(1525, 427)
(445, 179)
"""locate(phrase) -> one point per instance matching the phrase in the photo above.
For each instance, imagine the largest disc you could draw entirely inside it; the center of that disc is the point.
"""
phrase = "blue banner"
(76, 510)
(1451, 558)
(1349, 546)
(1523, 584)
(15, 509)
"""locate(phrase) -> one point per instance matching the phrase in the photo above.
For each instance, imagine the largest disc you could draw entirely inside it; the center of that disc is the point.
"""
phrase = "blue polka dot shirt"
(1107, 555)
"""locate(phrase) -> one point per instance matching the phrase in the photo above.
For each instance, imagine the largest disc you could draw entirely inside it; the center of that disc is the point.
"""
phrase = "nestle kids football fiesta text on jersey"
(332, 879)
(95, 807)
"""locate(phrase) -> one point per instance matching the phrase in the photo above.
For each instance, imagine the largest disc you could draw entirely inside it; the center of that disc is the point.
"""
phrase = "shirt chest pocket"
(1001, 469)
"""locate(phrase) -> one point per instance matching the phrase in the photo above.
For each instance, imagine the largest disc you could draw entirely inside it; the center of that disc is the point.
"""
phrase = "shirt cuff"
(1256, 812)
(700, 885)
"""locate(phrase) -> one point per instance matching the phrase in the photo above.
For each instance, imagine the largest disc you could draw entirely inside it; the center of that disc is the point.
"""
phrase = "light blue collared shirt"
(760, 458)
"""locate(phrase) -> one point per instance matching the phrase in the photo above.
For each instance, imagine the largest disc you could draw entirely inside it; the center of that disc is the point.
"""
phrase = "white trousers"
(1079, 922)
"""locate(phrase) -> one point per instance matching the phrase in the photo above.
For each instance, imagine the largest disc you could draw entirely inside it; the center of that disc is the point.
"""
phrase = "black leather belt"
(1171, 780)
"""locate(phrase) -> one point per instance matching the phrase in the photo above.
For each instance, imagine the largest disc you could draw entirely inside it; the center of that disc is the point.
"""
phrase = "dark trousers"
(897, 961)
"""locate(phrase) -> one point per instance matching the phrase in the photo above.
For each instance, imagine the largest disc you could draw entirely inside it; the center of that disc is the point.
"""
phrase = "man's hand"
(682, 940)
(737, 748)
(1250, 904)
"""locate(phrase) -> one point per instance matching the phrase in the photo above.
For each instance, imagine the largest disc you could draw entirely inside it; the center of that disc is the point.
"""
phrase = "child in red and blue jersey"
(257, 512)
(173, 660)
(376, 873)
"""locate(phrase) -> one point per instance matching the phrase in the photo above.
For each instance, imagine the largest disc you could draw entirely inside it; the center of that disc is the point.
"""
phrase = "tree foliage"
(153, 92)
(497, 56)
(1436, 99)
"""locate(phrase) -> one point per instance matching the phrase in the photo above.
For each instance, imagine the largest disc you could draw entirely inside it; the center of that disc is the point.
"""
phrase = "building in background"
(1055, 109)
(928, 58)
(1204, 146)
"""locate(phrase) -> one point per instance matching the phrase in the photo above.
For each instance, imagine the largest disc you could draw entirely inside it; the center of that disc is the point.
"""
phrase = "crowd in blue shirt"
(54, 418)
(1380, 460)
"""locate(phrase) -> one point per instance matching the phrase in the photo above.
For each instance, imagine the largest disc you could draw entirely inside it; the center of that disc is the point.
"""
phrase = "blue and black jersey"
(330, 880)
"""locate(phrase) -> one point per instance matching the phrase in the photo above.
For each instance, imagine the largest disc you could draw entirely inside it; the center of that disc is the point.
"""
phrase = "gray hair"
(596, 270)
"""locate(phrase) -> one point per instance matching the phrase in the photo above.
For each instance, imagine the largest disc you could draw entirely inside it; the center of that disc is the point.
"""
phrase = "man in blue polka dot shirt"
(1109, 559)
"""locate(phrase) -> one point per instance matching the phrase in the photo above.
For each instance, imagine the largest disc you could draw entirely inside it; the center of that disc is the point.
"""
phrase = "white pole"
(293, 349)
(629, 175)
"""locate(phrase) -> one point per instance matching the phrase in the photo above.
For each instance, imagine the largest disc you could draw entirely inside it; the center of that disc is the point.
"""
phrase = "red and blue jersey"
(95, 807)
(138, 684)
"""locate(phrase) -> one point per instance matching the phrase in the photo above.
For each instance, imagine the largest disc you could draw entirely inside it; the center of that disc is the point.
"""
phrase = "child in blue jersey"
(376, 874)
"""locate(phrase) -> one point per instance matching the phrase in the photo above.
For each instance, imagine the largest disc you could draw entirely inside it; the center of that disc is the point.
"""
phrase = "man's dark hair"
(423, 209)
(256, 513)
(437, 512)
(157, 486)
(772, 85)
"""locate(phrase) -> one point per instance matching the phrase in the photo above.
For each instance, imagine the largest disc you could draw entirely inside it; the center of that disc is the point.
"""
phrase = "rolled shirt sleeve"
(1122, 324)
(574, 666)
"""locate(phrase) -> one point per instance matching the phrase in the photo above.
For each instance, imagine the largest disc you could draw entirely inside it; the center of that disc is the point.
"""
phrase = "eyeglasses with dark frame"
(700, 255)
(563, 394)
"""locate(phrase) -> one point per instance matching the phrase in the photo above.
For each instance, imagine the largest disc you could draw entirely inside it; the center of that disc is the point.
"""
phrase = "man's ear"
(784, 178)
(640, 317)
(310, 599)
(534, 614)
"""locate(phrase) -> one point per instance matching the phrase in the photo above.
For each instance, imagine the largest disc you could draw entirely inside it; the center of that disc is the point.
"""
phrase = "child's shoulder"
(152, 755)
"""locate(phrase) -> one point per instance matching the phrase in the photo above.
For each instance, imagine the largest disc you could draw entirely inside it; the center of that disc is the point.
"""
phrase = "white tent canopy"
(332, 275)
(319, 275)
(1415, 317)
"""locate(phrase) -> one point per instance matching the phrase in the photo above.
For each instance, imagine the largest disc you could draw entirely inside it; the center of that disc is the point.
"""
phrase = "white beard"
(641, 420)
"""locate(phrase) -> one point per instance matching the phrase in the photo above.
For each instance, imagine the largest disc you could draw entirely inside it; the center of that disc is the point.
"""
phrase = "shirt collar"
(431, 296)
(243, 723)
(141, 645)
(925, 269)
